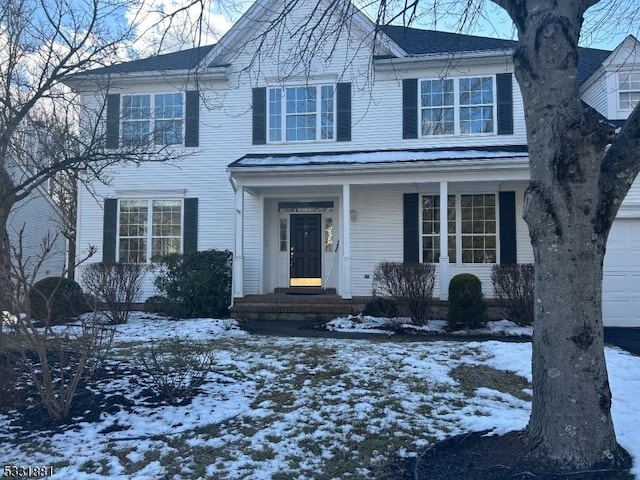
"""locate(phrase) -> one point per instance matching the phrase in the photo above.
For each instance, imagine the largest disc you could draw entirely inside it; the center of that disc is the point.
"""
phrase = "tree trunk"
(570, 426)
(6, 290)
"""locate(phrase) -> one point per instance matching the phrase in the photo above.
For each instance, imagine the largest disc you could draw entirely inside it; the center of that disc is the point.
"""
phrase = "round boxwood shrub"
(64, 296)
(381, 307)
(467, 306)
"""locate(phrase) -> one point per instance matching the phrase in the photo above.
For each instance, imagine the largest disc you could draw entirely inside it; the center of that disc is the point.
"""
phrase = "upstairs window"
(628, 90)
(461, 106)
(155, 118)
(297, 114)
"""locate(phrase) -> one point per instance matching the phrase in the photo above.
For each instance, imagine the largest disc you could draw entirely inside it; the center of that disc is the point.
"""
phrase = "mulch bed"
(474, 456)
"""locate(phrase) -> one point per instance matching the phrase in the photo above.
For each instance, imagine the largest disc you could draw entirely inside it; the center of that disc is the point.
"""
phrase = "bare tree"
(44, 129)
(580, 172)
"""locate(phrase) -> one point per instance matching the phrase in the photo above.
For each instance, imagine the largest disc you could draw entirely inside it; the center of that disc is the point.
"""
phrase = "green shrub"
(513, 287)
(381, 307)
(155, 304)
(196, 284)
(467, 306)
(56, 300)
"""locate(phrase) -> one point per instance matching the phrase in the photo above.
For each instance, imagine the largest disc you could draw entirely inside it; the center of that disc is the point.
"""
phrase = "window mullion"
(458, 205)
(456, 108)
(149, 229)
(318, 112)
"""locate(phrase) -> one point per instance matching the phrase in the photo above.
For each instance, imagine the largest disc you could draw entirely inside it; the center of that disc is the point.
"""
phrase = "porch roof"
(372, 157)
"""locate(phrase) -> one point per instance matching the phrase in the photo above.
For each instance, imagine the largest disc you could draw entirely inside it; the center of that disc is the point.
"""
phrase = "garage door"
(621, 283)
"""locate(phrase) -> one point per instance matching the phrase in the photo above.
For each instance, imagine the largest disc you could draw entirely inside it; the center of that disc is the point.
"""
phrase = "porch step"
(281, 306)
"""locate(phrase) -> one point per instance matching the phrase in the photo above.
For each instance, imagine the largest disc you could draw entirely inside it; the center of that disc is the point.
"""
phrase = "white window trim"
(149, 201)
(152, 119)
(318, 113)
(619, 90)
(456, 107)
(458, 234)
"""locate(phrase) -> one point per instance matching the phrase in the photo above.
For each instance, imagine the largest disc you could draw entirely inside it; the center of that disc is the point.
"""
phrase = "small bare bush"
(513, 287)
(175, 367)
(53, 359)
(115, 286)
(56, 361)
(409, 284)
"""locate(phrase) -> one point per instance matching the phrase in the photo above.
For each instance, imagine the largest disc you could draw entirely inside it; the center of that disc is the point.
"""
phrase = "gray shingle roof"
(414, 41)
(181, 60)
(421, 42)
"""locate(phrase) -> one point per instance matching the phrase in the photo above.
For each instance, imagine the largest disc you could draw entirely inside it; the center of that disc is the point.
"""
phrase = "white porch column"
(345, 244)
(238, 254)
(444, 245)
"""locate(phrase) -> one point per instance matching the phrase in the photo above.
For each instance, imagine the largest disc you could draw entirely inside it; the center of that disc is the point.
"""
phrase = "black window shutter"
(109, 232)
(259, 116)
(410, 108)
(343, 100)
(411, 233)
(192, 119)
(507, 204)
(113, 121)
(505, 103)
(190, 234)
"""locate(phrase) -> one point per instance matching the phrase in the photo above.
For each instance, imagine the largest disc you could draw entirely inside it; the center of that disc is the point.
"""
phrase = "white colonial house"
(394, 144)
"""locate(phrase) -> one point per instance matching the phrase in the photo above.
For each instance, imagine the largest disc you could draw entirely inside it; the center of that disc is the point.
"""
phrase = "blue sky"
(606, 25)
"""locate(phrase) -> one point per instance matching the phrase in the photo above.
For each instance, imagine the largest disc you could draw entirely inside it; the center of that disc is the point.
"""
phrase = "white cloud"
(168, 25)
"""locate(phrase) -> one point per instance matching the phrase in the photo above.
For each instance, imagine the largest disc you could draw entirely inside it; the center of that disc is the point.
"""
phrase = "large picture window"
(471, 228)
(297, 114)
(155, 118)
(461, 106)
(149, 229)
(628, 90)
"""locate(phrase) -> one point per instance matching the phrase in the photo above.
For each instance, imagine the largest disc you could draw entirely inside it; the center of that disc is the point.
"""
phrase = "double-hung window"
(149, 229)
(297, 114)
(471, 228)
(460, 106)
(431, 228)
(157, 118)
(628, 89)
(478, 228)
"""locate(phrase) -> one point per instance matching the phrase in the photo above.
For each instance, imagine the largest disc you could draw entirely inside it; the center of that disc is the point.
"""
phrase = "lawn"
(292, 408)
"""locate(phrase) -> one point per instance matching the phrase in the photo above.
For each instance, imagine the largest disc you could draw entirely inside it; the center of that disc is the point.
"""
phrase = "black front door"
(306, 250)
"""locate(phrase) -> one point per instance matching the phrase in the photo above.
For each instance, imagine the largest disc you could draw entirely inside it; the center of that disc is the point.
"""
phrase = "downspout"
(235, 189)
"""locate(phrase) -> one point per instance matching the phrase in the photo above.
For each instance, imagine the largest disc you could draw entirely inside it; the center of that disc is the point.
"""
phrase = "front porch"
(321, 307)
(294, 306)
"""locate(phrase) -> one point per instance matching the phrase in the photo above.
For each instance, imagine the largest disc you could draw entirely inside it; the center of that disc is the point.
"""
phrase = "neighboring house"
(400, 145)
(34, 222)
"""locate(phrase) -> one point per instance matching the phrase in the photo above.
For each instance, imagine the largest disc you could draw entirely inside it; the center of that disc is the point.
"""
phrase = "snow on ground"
(368, 324)
(299, 408)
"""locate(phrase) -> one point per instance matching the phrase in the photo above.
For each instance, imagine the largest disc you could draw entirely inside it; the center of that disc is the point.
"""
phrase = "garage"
(621, 282)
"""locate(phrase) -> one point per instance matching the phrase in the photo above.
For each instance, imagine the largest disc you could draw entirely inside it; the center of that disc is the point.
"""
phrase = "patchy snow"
(389, 326)
(381, 156)
(278, 407)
